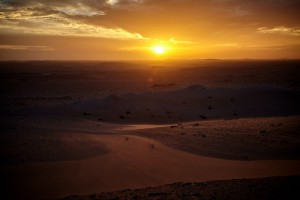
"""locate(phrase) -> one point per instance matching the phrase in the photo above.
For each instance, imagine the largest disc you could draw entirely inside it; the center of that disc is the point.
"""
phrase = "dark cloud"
(84, 7)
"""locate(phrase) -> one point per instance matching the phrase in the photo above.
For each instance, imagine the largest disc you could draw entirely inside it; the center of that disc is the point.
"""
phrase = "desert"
(149, 100)
(166, 129)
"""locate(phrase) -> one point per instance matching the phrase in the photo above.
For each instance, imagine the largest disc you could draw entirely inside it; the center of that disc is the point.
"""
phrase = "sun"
(159, 49)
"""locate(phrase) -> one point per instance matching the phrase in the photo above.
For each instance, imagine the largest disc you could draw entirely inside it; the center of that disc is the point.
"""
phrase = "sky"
(131, 29)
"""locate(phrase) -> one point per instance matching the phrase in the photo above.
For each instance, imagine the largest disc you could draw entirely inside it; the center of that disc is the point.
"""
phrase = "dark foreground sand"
(85, 128)
(242, 189)
(129, 162)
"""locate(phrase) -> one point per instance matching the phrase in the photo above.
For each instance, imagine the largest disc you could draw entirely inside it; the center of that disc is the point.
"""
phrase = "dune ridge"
(131, 162)
(82, 128)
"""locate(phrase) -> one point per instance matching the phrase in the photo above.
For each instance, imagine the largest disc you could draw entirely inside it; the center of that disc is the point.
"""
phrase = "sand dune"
(238, 139)
(131, 162)
(191, 103)
(90, 127)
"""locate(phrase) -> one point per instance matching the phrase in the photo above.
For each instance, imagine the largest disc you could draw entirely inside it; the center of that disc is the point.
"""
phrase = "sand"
(80, 128)
(131, 162)
(244, 189)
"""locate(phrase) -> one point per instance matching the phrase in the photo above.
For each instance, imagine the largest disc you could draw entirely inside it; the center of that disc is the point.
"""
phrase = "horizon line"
(148, 60)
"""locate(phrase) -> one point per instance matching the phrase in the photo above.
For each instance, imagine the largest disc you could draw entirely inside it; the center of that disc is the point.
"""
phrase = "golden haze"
(116, 30)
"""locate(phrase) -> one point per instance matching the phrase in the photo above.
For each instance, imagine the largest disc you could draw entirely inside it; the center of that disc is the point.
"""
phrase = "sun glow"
(159, 49)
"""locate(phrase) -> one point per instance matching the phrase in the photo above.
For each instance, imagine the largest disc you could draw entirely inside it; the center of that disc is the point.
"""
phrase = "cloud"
(254, 47)
(67, 18)
(281, 30)
(239, 12)
(55, 24)
(57, 18)
(112, 2)
(175, 41)
(77, 8)
(23, 47)
(258, 7)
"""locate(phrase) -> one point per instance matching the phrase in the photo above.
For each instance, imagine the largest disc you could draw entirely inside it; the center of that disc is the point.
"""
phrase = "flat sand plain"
(82, 128)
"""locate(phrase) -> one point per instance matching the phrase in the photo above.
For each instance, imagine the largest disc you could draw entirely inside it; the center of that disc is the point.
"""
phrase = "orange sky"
(128, 29)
